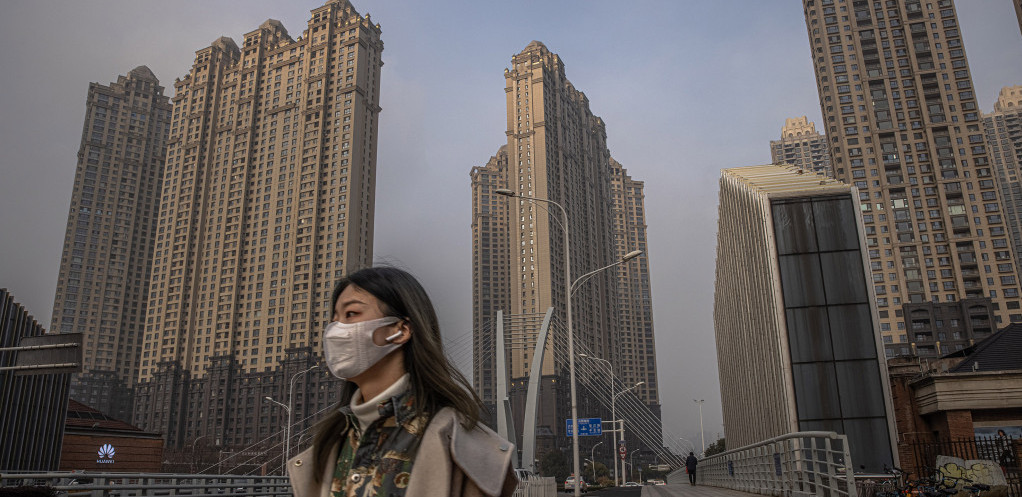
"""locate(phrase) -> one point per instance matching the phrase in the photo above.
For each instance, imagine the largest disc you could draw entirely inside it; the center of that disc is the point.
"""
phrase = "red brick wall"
(80, 453)
(959, 424)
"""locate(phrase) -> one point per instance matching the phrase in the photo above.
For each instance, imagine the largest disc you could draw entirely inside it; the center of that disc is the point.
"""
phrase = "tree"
(553, 463)
(716, 447)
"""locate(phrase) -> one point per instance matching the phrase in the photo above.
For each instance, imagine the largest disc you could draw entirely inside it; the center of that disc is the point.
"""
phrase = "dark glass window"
(830, 329)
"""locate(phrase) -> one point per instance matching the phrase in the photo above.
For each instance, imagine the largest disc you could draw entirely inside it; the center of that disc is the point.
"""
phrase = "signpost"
(621, 450)
(587, 427)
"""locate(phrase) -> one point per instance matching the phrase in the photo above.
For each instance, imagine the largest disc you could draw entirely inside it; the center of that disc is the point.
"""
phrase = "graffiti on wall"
(976, 470)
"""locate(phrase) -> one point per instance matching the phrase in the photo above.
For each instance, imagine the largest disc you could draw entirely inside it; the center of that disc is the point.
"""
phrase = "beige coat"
(451, 461)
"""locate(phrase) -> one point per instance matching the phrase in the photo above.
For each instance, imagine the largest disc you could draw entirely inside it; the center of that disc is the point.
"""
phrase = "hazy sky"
(686, 88)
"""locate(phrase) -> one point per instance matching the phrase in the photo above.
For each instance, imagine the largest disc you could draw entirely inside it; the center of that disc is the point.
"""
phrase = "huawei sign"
(106, 454)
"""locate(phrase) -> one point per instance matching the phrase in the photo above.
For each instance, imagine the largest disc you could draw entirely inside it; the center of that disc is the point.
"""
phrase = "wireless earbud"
(393, 337)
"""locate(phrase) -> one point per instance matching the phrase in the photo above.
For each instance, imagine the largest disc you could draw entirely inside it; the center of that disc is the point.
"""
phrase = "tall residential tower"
(801, 145)
(557, 149)
(904, 129)
(1004, 135)
(111, 229)
(268, 198)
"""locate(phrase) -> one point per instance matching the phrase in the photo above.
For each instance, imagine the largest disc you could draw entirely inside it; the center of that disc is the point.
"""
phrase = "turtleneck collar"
(369, 411)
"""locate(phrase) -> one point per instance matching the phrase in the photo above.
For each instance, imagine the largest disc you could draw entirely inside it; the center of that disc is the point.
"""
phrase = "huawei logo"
(107, 451)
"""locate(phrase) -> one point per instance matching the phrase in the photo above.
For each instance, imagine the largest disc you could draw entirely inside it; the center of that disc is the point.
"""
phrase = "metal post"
(702, 435)
(283, 463)
(613, 416)
(592, 459)
(290, 405)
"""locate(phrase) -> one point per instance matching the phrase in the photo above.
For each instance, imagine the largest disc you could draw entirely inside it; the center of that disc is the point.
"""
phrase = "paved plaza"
(684, 490)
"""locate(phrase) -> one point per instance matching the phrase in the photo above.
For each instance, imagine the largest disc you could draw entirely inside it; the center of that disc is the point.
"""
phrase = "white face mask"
(349, 349)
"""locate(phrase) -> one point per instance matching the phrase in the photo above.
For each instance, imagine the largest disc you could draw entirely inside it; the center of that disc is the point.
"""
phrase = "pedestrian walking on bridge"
(690, 466)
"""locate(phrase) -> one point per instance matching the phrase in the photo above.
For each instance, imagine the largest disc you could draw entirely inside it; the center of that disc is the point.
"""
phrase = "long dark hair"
(435, 382)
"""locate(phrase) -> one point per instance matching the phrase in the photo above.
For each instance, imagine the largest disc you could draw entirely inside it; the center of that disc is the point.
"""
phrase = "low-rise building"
(96, 442)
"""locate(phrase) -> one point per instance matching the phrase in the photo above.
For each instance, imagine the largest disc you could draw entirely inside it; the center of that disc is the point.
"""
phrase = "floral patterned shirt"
(378, 463)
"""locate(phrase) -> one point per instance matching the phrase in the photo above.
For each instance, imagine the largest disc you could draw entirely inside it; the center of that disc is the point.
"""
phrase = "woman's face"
(355, 305)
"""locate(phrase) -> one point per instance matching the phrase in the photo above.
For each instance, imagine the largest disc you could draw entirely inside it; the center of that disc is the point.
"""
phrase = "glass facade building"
(798, 338)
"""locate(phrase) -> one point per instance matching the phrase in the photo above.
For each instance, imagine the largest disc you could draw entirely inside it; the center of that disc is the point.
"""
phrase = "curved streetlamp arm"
(629, 256)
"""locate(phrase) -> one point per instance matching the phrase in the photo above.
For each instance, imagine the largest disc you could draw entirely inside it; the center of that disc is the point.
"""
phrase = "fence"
(124, 485)
(1004, 451)
(795, 465)
(536, 486)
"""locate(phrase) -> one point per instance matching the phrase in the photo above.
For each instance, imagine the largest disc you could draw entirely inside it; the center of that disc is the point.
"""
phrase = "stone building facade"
(801, 146)
(268, 198)
(106, 261)
(901, 115)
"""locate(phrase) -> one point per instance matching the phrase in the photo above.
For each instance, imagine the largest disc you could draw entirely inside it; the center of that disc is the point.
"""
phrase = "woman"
(407, 423)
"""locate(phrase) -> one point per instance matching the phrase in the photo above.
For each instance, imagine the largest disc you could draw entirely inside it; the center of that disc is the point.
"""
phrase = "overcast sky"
(686, 88)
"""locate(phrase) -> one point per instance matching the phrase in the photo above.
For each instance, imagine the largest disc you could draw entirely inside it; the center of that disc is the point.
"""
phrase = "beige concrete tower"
(491, 265)
(111, 230)
(557, 149)
(801, 145)
(904, 128)
(636, 343)
(1004, 135)
(268, 199)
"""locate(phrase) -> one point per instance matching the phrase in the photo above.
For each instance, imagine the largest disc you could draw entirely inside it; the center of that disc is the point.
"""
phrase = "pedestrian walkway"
(685, 490)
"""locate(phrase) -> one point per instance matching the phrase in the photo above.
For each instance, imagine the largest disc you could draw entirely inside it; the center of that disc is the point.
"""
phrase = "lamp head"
(631, 255)
(505, 192)
(267, 398)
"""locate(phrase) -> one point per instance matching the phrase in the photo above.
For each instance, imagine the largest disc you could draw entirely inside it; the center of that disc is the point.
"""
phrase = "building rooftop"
(786, 181)
(82, 416)
(999, 352)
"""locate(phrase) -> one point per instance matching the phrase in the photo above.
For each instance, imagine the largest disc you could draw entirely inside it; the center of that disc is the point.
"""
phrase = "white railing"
(803, 464)
(141, 484)
(536, 486)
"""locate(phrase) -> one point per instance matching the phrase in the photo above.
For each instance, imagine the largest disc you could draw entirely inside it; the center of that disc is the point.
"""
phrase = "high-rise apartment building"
(801, 145)
(798, 340)
(904, 129)
(556, 149)
(636, 344)
(491, 267)
(1004, 137)
(111, 229)
(268, 198)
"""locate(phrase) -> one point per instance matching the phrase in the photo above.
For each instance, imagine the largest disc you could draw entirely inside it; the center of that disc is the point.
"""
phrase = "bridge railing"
(803, 464)
(143, 484)
(536, 486)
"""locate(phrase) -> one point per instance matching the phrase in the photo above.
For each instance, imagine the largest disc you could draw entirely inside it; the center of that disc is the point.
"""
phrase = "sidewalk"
(685, 490)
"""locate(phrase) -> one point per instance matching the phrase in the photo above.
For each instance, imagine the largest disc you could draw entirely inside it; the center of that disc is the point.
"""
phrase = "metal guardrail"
(140, 484)
(802, 464)
(144, 484)
(536, 486)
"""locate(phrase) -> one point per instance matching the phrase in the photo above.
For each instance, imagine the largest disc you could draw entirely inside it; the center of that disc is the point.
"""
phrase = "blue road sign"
(587, 427)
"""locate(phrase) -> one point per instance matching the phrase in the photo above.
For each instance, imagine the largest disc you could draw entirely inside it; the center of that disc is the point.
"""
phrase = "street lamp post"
(592, 457)
(290, 405)
(691, 445)
(567, 307)
(702, 436)
(193, 451)
(622, 426)
(613, 411)
(287, 429)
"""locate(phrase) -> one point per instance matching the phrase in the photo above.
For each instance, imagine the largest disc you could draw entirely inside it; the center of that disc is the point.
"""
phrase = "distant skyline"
(685, 88)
